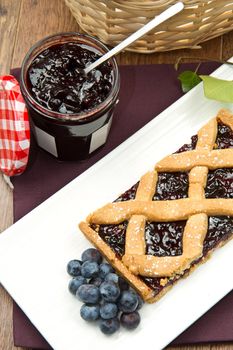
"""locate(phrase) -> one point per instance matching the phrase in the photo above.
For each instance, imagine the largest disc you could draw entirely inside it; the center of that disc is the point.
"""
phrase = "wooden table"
(22, 23)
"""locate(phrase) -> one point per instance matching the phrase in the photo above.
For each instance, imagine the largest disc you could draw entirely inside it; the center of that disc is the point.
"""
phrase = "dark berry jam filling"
(57, 82)
(220, 228)
(129, 194)
(219, 183)
(188, 146)
(224, 137)
(171, 186)
(113, 235)
(165, 239)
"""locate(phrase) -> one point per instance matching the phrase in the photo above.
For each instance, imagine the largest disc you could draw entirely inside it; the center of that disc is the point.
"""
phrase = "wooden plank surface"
(9, 15)
(227, 46)
(49, 17)
(22, 23)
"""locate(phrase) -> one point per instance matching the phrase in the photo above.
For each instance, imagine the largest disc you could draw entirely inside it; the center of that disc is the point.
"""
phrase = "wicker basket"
(112, 21)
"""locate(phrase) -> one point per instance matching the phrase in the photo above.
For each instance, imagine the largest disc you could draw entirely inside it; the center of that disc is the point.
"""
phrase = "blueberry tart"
(171, 221)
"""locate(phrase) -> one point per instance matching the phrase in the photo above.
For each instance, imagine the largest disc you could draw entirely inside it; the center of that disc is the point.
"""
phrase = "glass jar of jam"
(71, 112)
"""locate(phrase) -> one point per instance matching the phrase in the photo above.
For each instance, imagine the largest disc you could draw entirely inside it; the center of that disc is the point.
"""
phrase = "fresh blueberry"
(74, 268)
(112, 277)
(92, 254)
(130, 320)
(89, 269)
(140, 302)
(123, 284)
(96, 281)
(109, 291)
(75, 283)
(88, 293)
(90, 312)
(128, 301)
(105, 269)
(109, 326)
(108, 310)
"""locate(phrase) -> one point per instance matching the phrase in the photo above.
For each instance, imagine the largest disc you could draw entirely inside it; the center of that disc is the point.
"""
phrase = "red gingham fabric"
(14, 128)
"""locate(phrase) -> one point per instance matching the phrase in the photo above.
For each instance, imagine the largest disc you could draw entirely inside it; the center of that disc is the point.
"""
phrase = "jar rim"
(61, 38)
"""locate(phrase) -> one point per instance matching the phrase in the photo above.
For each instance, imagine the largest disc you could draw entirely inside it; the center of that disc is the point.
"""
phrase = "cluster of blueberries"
(107, 297)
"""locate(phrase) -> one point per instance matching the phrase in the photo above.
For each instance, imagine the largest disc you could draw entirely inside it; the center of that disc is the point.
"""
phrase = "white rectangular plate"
(34, 252)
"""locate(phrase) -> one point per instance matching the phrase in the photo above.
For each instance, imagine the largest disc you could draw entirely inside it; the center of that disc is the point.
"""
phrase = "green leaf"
(188, 80)
(217, 89)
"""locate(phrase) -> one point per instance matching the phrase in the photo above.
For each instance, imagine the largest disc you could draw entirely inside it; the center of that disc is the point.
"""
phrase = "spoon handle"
(171, 11)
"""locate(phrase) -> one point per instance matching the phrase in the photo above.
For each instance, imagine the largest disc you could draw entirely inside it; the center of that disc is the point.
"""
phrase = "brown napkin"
(145, 92)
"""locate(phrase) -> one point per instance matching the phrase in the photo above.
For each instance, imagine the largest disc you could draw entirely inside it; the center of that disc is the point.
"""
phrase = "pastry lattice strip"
(195, 209)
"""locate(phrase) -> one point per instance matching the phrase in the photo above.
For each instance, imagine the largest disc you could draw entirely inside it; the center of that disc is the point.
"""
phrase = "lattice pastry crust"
(195, 209)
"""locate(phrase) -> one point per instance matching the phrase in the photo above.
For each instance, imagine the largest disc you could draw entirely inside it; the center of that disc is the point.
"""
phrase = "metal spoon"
(171, 11)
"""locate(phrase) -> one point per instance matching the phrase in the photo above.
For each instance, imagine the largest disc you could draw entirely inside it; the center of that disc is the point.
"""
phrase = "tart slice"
(169, 222)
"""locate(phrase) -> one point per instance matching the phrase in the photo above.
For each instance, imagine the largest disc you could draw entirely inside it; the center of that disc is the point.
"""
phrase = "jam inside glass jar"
(71, 112)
